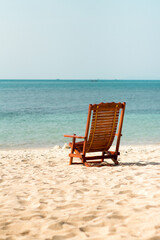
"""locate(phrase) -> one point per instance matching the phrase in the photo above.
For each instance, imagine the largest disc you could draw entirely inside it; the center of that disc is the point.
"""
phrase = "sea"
(37, 113)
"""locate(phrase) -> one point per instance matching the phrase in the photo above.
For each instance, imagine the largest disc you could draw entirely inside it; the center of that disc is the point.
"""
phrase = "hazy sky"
(80, 39)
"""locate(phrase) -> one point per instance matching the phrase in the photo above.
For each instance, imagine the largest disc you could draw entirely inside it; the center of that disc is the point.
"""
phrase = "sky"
(80, 39)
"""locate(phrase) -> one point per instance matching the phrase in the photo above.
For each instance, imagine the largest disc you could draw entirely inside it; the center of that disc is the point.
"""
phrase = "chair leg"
(102, 160)
(83, 159)
(72, 149)
(71, 159)
(115, 160)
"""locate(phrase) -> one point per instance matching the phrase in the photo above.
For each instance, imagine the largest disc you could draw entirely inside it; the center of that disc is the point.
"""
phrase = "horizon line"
(77, 79)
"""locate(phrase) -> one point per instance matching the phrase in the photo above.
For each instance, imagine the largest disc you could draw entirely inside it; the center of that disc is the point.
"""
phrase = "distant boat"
(94, 80)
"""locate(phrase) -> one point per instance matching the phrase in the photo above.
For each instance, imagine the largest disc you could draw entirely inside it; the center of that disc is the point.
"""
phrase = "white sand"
(42, 197)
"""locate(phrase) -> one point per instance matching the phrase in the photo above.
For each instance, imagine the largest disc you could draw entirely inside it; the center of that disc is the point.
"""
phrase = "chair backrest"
(102, 125)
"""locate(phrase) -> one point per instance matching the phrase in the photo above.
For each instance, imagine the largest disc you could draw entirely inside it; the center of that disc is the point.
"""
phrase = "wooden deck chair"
(102, 122)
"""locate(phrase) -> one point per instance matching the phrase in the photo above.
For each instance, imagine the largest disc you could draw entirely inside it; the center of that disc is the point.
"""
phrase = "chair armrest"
(74, 136)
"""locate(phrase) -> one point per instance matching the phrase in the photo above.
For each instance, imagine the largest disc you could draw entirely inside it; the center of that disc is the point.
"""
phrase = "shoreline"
(66, 146)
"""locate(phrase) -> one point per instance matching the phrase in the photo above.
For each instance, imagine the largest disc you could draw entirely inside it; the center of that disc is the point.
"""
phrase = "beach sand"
(42, 197)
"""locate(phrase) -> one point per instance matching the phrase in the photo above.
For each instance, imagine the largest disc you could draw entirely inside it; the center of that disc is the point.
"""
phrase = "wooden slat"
(98, 127)
(107, 132)
(107, 117)
(99, 137)
(105, 112)
(108, 112)
(103, 116)
(97, 133)
(101, 124)
(106, 126)
(100, 142)
(104, 130)
(102, 135)
(107, 120)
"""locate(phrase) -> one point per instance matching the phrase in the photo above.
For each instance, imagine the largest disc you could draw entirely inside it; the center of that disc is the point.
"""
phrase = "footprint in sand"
(88, 218)
(56, 226)
(69, 206)
(60, 225)
(116, 215)
(32, 216)
(25, 233)
(129, 178)
(125, 192)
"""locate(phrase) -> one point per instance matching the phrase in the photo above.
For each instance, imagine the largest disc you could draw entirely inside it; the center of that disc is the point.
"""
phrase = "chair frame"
(113, 155)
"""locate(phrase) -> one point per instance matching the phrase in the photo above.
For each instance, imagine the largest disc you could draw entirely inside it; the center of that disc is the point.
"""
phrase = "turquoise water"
(37, 113)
